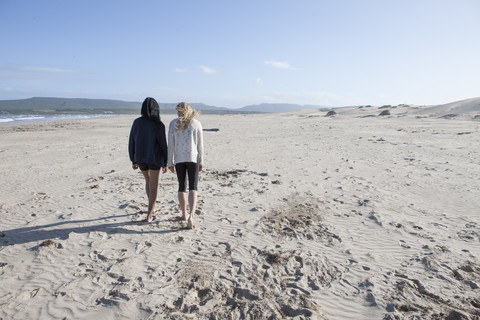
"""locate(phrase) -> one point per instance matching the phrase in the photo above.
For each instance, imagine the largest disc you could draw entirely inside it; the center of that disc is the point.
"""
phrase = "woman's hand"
(172, 168)
(134, 166)
(164, 170)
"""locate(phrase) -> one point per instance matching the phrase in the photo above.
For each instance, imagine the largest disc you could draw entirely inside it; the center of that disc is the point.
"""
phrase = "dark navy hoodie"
(148, 143)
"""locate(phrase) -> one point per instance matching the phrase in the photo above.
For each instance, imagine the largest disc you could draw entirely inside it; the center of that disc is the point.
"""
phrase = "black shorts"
(147, 166)
(182, 169)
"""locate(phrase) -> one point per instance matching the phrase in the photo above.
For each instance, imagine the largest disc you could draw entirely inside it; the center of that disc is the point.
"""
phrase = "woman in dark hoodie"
(147, 148)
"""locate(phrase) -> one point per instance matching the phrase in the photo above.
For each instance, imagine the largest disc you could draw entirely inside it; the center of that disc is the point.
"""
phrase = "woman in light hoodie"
(185, 157)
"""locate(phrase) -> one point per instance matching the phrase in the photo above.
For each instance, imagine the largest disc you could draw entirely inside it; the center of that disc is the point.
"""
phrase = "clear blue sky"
(235, 53)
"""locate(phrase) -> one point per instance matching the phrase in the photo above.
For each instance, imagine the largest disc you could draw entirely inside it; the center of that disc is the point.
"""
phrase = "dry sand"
(300, 215)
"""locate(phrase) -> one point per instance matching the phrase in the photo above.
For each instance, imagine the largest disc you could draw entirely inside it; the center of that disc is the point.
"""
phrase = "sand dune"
(469, 107)
(300, 216)
(465, 109)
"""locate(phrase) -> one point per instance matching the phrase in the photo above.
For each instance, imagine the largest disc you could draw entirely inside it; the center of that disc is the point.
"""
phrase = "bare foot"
(189, 224)
(149, 218)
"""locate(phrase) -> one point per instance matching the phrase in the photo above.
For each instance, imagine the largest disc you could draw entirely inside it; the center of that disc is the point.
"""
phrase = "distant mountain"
(70, 105)
(206, 107)
(43, 104)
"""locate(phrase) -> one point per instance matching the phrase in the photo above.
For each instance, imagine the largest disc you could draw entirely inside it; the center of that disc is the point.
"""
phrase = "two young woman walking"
(184, 155)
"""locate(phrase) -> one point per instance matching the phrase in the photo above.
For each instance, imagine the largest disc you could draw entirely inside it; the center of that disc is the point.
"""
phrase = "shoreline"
(21, 118)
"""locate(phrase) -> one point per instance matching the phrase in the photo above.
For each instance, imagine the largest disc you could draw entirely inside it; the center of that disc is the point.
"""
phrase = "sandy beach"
(351, 216)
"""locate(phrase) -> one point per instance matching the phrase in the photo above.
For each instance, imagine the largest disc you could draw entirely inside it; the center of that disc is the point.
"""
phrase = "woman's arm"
(131, 143)
(162, 140)
(200, 144)
(171, 144)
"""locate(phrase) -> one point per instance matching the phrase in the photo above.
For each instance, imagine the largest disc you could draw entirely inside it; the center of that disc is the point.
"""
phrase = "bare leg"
(147, 182)
(151, 187)
(192, 204)
(182, 199)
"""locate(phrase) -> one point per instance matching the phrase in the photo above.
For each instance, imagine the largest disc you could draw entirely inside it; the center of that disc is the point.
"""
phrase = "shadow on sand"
(61, 230)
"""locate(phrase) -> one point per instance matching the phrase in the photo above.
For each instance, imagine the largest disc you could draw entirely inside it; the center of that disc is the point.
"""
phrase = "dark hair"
(151, 109)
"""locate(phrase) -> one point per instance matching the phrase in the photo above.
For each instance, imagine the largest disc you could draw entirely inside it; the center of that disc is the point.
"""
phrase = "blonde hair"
(185, 118)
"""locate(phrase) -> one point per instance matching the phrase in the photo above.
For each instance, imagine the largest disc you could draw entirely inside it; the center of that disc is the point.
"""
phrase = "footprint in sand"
(177, 239)
(94, 179)
(225, 220)
(468, 235)
(404, 245)
(40, 196)
(237, 233)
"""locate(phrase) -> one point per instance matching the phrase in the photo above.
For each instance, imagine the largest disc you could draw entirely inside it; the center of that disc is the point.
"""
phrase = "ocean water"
(11, 118)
